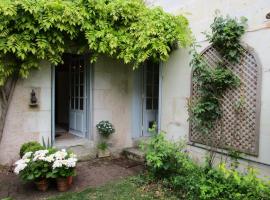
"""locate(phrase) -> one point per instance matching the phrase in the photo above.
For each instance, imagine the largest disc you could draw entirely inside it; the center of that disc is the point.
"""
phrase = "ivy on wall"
(212, 82)
(32, 30)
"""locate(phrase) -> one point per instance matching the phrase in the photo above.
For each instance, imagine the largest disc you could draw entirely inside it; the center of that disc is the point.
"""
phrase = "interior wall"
(62, 97)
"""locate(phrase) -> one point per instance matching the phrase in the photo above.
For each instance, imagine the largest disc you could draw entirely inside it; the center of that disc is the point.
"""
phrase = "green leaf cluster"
(171, 165)
(213, 82)
(225, 36)
(205, 110)
(33, 30)
(30, 146)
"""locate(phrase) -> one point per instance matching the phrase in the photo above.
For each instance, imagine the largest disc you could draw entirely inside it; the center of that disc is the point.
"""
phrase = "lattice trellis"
(238, 128)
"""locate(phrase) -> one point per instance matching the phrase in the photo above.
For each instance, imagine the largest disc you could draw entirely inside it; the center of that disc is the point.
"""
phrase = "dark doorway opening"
(62, 97)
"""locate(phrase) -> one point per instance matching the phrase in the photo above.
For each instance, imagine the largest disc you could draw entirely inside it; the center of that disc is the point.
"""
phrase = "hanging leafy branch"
(213, 82)
(32, 30)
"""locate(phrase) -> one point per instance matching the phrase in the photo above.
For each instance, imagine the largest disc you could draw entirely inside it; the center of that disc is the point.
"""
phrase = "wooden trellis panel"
(238, 129)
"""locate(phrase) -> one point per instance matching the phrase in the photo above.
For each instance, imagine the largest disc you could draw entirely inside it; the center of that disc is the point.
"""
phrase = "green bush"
(30, 146)
(169, 162)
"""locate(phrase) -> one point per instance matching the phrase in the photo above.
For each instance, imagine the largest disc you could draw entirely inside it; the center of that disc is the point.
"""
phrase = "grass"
(128, 189)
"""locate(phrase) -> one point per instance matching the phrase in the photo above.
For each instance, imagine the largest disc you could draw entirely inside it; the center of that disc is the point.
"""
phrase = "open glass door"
(78, 97)
(150, 96)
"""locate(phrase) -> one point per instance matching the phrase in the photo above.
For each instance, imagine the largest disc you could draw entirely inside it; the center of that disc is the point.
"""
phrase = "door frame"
(137, 102)
(89, 100)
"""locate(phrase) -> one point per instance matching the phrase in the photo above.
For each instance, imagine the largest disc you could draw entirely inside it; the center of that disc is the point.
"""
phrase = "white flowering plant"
(105, 128)
(34, 166)
(48, 163)
(64, 164)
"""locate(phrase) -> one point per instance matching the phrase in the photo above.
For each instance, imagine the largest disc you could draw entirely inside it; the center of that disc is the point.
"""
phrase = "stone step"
(134, 153)
(83, 153)
(84, 149)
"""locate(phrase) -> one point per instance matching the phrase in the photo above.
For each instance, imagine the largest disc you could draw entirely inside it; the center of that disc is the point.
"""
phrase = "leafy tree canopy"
(33, 30)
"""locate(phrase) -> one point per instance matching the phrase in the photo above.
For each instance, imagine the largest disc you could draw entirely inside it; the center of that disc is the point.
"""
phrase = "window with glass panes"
(152, 86)
(77, 84)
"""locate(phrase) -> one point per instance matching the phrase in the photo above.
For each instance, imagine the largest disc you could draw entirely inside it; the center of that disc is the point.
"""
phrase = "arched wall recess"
(239, 127)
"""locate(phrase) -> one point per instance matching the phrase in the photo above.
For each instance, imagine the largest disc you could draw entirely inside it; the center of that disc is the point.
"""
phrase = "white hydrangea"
(57, 163)
(27, 155)
(49, 158)
(71, 162)
(60, 155)
(21, 165)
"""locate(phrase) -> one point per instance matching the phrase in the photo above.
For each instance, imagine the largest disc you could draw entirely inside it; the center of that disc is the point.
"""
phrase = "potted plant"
(63, 169)
(35, 166)
(103, 150)
(105, 129)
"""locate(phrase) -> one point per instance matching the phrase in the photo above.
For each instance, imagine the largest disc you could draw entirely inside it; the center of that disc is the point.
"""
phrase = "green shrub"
(30, 146)
(169, 162)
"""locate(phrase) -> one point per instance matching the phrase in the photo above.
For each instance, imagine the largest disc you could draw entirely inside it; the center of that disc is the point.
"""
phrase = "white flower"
(20, 165)
(40, 155)
(57, 163)
(71, 162)
(27, 155)
(41, 152)
(49, 158)
(19, 168)
(60, 155)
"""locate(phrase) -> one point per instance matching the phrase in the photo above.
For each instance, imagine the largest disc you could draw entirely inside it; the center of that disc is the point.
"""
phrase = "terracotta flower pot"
(42, 185)
(62, 184)
(70, 180)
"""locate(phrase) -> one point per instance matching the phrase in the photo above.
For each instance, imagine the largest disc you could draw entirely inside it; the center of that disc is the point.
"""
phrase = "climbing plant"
(225, 36)
(35, 30)
(212, 82)
(32, 30)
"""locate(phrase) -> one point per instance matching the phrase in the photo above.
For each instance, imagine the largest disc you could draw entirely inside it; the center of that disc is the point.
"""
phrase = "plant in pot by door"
(35, 166)
(63, 169)
(103, 150)
(105, 129)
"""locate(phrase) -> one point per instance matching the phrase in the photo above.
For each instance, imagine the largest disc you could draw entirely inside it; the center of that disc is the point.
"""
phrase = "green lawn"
(130, 189)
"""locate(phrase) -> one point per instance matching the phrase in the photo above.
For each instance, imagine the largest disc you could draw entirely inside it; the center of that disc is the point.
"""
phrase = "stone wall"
(24, 123)
(176, 71)
(112, 99)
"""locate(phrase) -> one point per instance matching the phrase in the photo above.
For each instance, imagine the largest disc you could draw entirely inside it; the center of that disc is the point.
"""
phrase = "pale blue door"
(78, 96)
(150, 96)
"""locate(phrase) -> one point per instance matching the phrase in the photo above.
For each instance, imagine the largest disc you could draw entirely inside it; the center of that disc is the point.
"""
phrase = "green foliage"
(33, 30)
(36, 169)
(170, 164)
(30, 146)
(165, 158)
(61, 172)
(133, 188)
(222, 183)
(225, 37)
(212, 83)
(102, 146)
